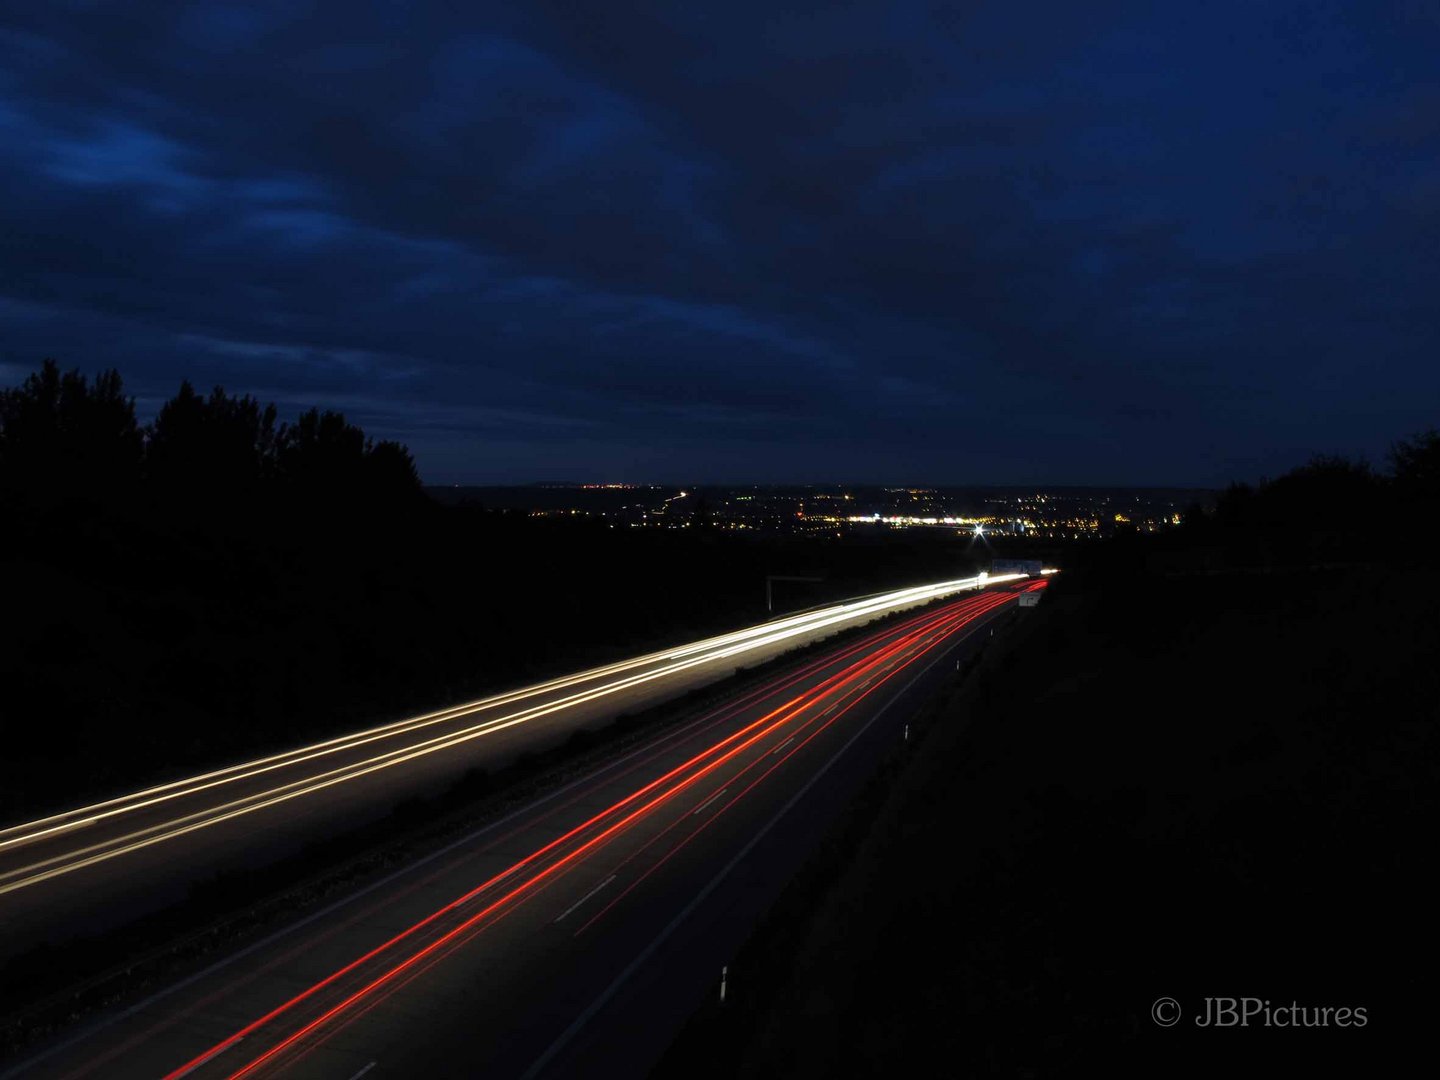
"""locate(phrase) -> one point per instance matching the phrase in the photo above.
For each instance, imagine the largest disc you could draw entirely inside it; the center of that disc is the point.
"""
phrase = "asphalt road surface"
(575, 936)
(101, 865)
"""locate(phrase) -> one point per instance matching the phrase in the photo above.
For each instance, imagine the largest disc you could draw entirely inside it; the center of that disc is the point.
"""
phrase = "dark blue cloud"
(913, 241)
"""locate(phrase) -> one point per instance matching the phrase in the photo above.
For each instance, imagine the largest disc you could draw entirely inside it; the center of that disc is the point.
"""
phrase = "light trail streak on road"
(844, 706)
(554, 859)
(608, 680)
(676, 774)
(687, 734)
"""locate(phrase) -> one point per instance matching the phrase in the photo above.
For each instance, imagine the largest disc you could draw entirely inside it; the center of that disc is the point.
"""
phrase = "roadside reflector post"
(724, 975)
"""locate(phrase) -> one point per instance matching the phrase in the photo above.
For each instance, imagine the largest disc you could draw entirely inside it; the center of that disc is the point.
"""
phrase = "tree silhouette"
(322, 454)
(1415, 467)
(392, 469)
(221, 445)
(323, 457)
(1235, 506)
(1325, 489)
(1194, 519)
(61, 434)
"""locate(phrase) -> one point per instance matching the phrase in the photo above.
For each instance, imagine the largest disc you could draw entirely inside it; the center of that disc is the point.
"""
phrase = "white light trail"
(607, 680)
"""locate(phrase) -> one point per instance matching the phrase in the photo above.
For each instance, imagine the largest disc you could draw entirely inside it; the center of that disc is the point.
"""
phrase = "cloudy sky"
(883, 241)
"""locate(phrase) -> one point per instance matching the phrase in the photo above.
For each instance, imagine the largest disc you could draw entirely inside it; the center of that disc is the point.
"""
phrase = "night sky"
(945, 243)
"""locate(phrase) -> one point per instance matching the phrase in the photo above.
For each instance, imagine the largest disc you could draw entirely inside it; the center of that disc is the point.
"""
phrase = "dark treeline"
(1330, 511)
(219, 581)
(1337, 496)
(64, 437)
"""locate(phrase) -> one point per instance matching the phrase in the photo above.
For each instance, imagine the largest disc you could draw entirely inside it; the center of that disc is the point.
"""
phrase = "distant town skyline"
(1041, 512)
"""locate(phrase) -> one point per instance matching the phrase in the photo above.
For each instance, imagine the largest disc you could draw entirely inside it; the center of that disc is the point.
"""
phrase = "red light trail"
(911, 640)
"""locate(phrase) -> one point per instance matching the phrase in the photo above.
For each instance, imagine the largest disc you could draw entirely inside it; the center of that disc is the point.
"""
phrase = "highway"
(100, 865)
(574, 936)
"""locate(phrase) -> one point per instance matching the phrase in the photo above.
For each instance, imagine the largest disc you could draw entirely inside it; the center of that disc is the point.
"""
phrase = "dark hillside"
(1193, 786)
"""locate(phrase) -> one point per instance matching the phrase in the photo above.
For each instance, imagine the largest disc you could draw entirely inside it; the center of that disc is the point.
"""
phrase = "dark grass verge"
(56, 986)
(1195, 789)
